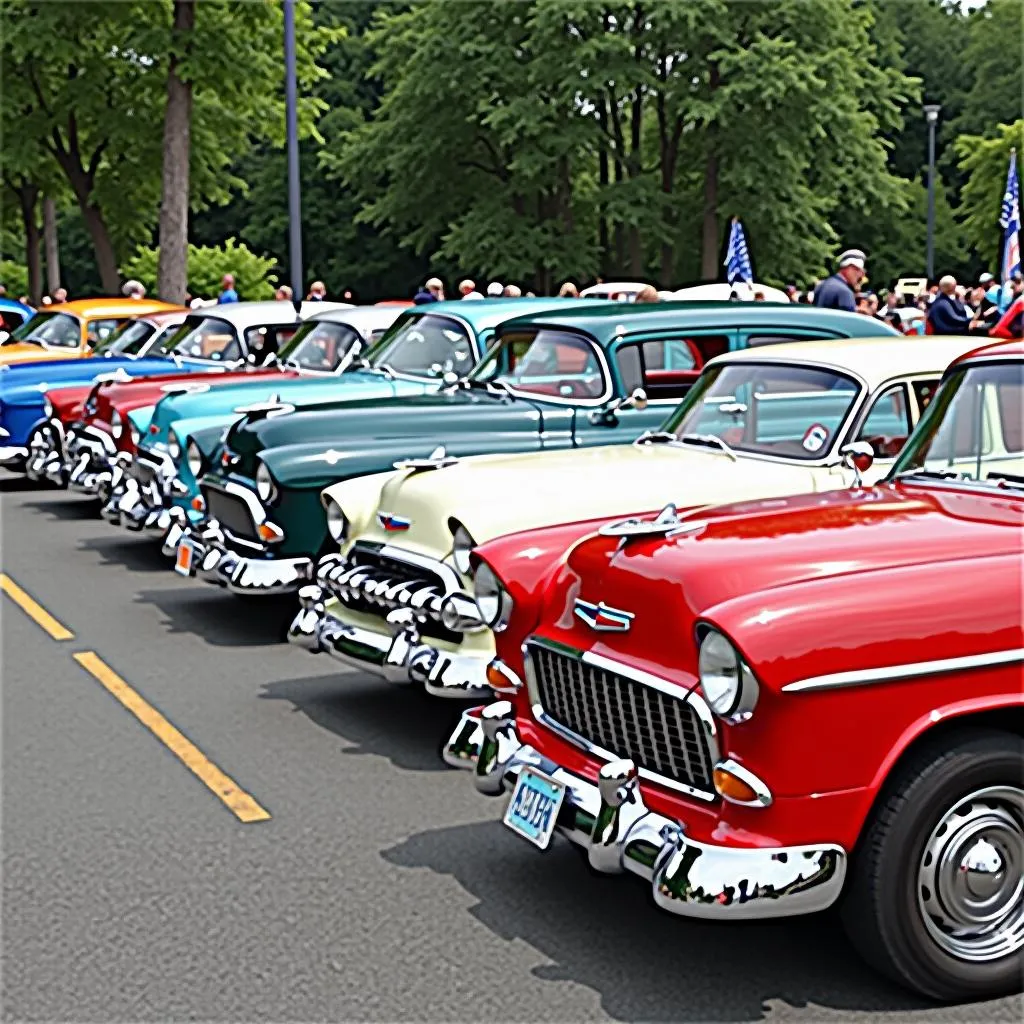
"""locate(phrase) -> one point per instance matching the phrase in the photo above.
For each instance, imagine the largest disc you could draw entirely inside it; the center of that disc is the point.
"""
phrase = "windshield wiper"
(656, 437)
(709, 441)
(932, 474)
(1011, 480)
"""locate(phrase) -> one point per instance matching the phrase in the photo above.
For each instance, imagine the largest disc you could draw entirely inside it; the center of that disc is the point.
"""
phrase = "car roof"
(1010, 349)
(363, 318)
(252, 314)
(874, 360)
(20, 307)
(98, 308)
(175, 315)
(482, 314)
(606, 321)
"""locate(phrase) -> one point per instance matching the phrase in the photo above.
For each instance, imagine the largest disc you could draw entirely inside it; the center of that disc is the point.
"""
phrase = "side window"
(924, 392)
(264, 340)
(780, 337)
(97, 331)
(887, 424)
(631, 367)
(667, 367)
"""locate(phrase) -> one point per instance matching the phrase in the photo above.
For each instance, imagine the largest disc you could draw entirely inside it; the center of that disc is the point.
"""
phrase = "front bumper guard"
(402, 657)
(45, 457)
(214, 562)
(91, 463)
(610, 820)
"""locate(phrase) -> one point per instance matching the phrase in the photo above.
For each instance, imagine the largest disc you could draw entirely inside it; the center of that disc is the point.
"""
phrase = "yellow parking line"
(34, 610)
(243, 806)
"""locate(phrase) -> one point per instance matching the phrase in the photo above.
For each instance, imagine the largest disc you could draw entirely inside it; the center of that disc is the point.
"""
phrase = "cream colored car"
(399, 599)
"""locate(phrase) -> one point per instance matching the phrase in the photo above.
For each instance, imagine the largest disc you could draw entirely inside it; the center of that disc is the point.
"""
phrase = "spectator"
(46, 301)
(432, 291)
(991, 286)
(647, 294)
(864, 303)
(1008, 293)
(467, 289)
(792, 293)
(317, 292)
(227, 290)
(758, 296)
(347, 296)
(889, 308)
(283, 293)
(837, 291)
(3, 290)
(133, 290)
(60, 295)
(568, 291)
(513, 291)
(946, 314)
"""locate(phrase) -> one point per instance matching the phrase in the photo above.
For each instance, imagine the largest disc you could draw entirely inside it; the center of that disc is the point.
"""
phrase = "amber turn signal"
(733, 788)
(270, 532)
(501, 678)
(198, 504)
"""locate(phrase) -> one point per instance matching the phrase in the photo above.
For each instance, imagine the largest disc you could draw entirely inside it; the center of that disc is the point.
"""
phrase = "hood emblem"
(393, 523)
(603, 618)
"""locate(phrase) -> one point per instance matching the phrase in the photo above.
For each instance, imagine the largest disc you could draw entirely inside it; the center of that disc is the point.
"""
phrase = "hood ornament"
(119, 376)
(667, 523)
(603, 618)
(273, 406)
(184, 388)
(393, 523)
(437, 459)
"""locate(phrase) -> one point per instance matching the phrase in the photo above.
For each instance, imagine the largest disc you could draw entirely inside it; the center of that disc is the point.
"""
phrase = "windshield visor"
(791, 412)
(425, 346)
(321, 346)
(547, 365)
(973, 428)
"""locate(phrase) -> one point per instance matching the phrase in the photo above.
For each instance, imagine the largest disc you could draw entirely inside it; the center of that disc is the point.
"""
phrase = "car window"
(887, 424)
(208, 338)
(425, 346)
(320, 345)
(262, 341)
(547, 364)
(782, 337)
(10, 320)
(59, 329)
(97, 331)
(127, 340)
(784, 410)
(665, 368)
(924, 391)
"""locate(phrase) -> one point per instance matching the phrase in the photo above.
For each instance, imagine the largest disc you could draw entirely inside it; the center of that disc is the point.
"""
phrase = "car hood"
(25, 352)
(495, 495)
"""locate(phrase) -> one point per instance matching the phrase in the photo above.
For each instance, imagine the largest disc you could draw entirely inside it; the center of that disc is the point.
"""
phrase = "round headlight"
(337, 524)
(462, 545)
(135, 435)
(173, 445)
(492, 598)
(48, 408)
(194, 458)
(265, 487)
(116, 425)
(726, 681)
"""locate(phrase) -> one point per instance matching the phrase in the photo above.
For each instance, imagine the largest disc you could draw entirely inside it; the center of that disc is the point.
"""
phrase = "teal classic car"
(328, 363)
(555, 380)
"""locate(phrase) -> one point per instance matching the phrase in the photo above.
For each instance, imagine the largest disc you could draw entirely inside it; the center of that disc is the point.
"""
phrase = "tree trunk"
(50, 245)
(602, 181)
(709, 234)
(28, 196)
(172, 274)
(103, 247)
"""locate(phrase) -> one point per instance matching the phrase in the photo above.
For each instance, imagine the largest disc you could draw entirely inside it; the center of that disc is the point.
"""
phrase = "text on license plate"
(183, 559)
(533, 809)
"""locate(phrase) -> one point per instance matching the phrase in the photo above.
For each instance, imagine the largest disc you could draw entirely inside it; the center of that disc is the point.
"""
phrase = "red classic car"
(768, 708)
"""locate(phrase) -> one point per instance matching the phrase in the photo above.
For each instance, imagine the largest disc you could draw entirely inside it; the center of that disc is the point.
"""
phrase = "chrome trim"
(764, 794)
(692, 697)
(602, 617)
(250, 497)
(913, 670)
(437, 459)
(449, 576)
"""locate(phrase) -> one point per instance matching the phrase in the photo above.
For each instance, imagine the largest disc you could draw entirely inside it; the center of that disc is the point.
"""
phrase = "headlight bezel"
(492, 599)
(727, 682)
(134, 434)
(192, 452)
(173, 446)
(462, 547)
(116, 424)
(266, 485)
(337, 521)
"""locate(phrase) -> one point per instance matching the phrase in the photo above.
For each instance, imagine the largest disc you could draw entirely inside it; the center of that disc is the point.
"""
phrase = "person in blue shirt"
(840, 290)
(947, 314)
(227, 289)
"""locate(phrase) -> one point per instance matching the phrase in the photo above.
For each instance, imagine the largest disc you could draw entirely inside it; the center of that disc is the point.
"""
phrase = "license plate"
(183, 559)
(533, 809)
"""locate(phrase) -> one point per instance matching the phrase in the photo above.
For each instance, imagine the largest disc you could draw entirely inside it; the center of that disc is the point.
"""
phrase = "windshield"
(425, 346)
(127, 340)
(59, 329)
(545, 363)
(793, 412)
(973, 428)
(321, 346)
(208, 338)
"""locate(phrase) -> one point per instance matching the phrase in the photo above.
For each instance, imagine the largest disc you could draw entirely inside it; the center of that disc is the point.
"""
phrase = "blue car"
(12, 315)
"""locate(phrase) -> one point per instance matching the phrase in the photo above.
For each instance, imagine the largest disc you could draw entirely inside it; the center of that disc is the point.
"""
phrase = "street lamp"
(931, 115)
(292, 131)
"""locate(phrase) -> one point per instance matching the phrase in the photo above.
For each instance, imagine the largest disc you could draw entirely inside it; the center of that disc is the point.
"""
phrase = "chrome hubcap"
(970, 879)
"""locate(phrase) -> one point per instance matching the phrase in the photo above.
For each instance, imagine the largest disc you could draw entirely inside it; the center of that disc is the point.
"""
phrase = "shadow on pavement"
(219, 618)
(11, 482)
(603, 933)
(62, 505)
(136, 551)
(376, 717)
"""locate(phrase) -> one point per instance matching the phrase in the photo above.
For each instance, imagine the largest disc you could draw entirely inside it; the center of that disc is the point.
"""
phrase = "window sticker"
(816, 438)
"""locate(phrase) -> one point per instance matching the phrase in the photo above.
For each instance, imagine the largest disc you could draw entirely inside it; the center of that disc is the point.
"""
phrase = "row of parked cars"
(730, 593)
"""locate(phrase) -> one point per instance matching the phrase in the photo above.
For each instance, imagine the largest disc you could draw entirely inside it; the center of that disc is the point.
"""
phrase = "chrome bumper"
(91, 462)
(46, 459)
(402, 656)
(610, 820)
(214, 562)
(140, 495)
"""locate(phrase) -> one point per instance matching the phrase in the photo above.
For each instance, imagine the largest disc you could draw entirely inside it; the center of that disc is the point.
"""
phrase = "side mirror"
(858, 456)
(606, 415)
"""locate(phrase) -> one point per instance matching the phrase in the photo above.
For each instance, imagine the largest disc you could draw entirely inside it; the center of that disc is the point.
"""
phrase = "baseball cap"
(852, 258)
(985, 278)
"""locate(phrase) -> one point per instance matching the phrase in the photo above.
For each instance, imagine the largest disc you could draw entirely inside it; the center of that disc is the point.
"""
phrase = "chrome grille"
(660, 732)
(231, 512)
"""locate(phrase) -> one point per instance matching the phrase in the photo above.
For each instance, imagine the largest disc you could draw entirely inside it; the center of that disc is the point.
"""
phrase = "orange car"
(71, 329)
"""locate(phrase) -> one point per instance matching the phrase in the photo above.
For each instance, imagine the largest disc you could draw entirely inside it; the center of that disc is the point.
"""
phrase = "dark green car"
(566, 379)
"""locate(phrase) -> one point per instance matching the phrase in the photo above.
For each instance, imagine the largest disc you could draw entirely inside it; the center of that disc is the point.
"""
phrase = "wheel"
(935, 897)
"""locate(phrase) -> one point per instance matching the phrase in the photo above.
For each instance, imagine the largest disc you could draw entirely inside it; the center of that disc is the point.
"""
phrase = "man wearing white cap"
(495, 290)
(840, 290)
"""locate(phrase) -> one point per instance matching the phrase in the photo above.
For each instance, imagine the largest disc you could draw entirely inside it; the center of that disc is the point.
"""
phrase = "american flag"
(1009, 221)
(737, 259)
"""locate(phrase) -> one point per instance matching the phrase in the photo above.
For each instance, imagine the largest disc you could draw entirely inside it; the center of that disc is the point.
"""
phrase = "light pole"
(931, 115)
(292, 128)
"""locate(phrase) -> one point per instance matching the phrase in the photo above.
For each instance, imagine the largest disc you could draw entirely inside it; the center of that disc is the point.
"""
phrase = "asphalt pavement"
(200, 822)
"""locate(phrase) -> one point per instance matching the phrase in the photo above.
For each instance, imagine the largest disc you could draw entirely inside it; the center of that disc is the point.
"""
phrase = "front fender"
(359, 498)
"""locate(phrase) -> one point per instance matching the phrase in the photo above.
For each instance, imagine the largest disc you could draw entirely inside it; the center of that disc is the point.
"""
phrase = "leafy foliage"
(254, 277)
(14, 277)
